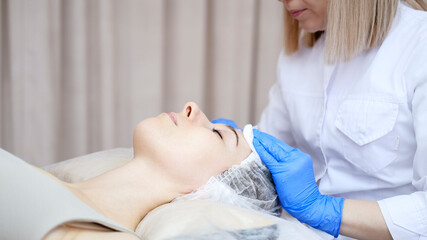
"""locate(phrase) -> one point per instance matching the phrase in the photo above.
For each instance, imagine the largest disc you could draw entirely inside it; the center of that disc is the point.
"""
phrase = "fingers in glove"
(264, 154)
(273, 145)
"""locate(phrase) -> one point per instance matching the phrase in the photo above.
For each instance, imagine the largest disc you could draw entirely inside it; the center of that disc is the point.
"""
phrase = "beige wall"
(78, 75)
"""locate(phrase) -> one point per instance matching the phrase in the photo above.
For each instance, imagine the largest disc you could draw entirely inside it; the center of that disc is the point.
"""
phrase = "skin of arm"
(363, 220)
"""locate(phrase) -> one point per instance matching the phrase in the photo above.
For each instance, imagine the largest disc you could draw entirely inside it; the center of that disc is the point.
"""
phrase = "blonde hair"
(353, 26)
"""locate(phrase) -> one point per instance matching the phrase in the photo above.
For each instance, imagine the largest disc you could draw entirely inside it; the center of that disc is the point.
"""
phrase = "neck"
(128, 193)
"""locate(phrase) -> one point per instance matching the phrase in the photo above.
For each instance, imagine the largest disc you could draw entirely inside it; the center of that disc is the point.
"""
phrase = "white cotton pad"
(249, 135)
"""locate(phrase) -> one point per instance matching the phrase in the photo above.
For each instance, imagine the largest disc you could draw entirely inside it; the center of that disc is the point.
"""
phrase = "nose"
(194, 114)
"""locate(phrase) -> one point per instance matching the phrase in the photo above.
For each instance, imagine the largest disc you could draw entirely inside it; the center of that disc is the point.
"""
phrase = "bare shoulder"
(73, 233)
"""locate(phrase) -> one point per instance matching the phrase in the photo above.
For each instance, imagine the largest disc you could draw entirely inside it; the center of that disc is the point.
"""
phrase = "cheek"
(207, 157)
(321, 15)
(195, 162)
(316, 17)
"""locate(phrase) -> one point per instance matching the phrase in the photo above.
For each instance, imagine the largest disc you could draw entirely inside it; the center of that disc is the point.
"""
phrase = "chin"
(144, 134)
(312, 28)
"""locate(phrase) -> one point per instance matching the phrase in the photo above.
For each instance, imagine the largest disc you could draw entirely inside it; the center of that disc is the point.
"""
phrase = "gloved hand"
(293, 175)
(226, 122)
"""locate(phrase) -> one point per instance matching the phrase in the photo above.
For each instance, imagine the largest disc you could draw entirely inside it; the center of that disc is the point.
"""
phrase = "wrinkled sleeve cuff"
(406, 216)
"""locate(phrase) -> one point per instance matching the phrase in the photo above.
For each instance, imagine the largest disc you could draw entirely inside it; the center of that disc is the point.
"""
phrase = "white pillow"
(88, 166)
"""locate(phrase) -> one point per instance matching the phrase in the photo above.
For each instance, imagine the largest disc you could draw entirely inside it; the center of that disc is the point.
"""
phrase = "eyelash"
(217, 132)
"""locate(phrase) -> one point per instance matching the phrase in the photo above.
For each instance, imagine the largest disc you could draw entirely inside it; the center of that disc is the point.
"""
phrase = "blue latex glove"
(293, 175)
(226, 122)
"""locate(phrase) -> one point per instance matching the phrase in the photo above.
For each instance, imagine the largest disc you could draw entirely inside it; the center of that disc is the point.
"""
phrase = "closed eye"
(217, 132)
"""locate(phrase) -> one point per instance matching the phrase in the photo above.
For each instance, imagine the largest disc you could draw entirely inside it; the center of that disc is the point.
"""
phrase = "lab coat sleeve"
(406, 215)
(275, 117)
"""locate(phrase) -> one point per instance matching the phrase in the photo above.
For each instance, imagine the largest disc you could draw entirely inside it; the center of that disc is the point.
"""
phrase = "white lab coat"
(364, 122)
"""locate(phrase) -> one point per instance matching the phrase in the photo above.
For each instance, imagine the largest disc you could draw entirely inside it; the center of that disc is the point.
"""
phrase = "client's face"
(188, 147)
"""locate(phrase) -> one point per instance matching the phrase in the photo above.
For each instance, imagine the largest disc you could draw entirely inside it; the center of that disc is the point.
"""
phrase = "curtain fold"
(77, 76)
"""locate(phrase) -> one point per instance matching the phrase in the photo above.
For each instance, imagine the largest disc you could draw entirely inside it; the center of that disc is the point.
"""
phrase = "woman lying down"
(177, 157)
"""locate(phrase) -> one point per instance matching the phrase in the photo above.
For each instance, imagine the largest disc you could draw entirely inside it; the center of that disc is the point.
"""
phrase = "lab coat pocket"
(368, 141)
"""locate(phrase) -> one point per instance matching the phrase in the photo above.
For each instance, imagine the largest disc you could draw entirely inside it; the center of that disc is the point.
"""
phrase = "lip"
(296, 13)
(173, 117)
